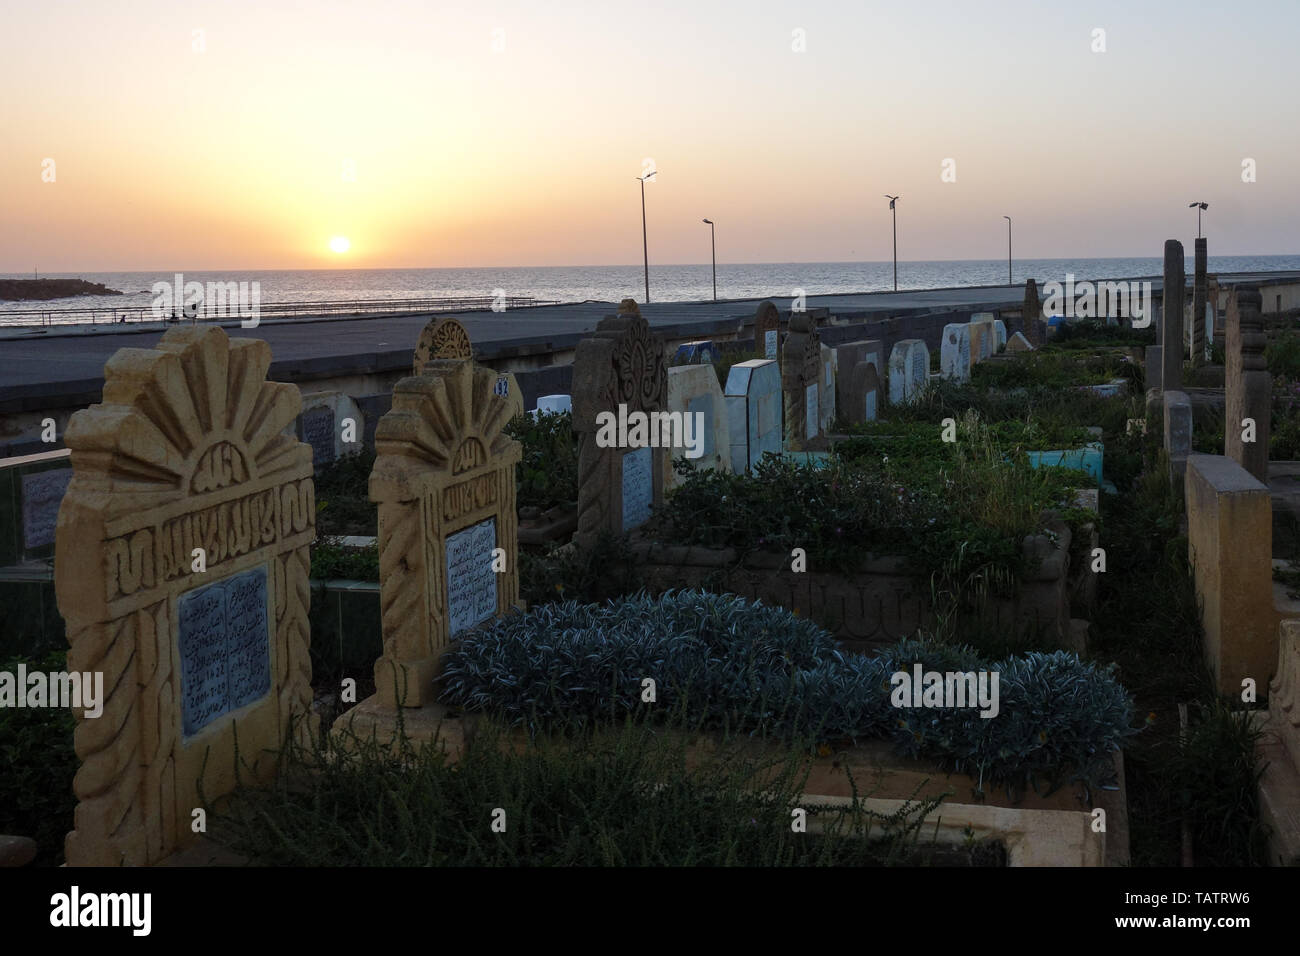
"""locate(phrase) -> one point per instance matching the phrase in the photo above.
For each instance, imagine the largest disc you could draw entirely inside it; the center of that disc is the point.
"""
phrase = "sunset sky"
(229, 149)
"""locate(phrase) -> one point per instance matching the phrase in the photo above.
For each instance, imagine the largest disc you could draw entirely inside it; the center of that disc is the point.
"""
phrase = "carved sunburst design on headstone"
(451, 422)
(442, 338)
(193, 415)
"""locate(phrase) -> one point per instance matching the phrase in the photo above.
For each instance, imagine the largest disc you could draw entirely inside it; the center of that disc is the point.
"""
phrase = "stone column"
(1030, 312)
(1171, 311)
(1198, 342)
(1248, 385)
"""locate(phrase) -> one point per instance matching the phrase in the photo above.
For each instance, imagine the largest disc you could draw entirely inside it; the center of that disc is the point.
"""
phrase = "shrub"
(343, 504)
(746, 667)
(548, 469)
(38, 761)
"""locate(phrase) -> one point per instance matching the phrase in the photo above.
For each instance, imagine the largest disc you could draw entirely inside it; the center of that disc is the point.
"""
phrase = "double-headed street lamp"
(713, 242)
(645, 248)
(892, 200)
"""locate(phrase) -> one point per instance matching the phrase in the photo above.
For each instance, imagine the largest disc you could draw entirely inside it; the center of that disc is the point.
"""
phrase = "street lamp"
(1009, 280)
(1198, 206)
(892, 200)
(645, 248)
(713, 242)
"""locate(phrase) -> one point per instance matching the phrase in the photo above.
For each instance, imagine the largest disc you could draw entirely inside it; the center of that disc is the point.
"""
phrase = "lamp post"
(645, 248)
(892, 200)
(1198, 206)
(1009, 279)
(713, 243)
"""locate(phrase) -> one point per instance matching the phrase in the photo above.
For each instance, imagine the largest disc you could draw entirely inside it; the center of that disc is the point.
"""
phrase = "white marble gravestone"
(909, 370)
(694, 390)
(324, 423)
(999, 335)
(955, 352)
(753, 396)
(554, 403)
(981, 337)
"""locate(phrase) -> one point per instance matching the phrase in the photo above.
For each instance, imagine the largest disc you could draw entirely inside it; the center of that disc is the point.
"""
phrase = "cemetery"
(342, 634)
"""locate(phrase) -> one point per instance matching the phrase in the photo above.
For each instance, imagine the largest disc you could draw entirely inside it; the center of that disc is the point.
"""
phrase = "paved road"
(71, 361)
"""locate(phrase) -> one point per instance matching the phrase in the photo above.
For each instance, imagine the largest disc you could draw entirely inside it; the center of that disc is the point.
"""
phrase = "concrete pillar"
(1171, 310)
(1247, 384)
(1199, 345)
(1230, 547)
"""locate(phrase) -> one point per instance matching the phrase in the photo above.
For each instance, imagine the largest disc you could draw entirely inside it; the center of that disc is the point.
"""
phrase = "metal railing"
(371, 307)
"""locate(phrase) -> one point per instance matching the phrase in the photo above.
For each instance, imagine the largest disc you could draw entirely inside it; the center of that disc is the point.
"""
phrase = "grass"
(614, 797)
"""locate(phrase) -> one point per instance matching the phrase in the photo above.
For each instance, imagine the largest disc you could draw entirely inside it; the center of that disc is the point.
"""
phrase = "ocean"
(668, 283)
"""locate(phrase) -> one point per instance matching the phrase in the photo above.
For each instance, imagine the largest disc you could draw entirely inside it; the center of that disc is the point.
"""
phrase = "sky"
(156, 134)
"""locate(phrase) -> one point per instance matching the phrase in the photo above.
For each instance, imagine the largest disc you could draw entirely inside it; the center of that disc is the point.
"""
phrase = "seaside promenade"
(54, 370)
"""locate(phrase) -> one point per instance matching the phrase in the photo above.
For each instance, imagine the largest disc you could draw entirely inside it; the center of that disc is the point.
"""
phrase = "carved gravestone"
(42, 492)
(800, 385)
(187, 455)
(826, 390)
(622, 364)
(444, 480)
(629, 307)
(318, 432)
(1248, 385)
(767, 330)
(955, 352)
(1030, 312)
(554, 404)
(1018, 343)
(332, 424)
(753, 398)
(442, 338)
(999, 336)
(508, 388)
(982, 339)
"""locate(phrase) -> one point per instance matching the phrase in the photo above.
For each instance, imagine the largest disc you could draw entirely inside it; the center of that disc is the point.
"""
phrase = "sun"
(340, 244)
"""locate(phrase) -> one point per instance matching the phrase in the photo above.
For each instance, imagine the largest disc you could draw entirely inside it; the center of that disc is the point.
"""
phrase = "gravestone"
(999, 335)
(909, 371)
(868, 386)
(850, 398)
(1248, 385)
(620, 369)
(955, 352)
(1030, 312)
(42, 494)
(629, 307)
(754, 425)
(442, 338)
(1178, 431)
(1196, 327)
(826, 390)
(801, 374)
(767, 330)
(1171, 311)
(328, 419)
(982, 338)
(508, 388)
(444, 481)
(555, 403)
(694, 390)
(188, 450)
(1018, 343)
